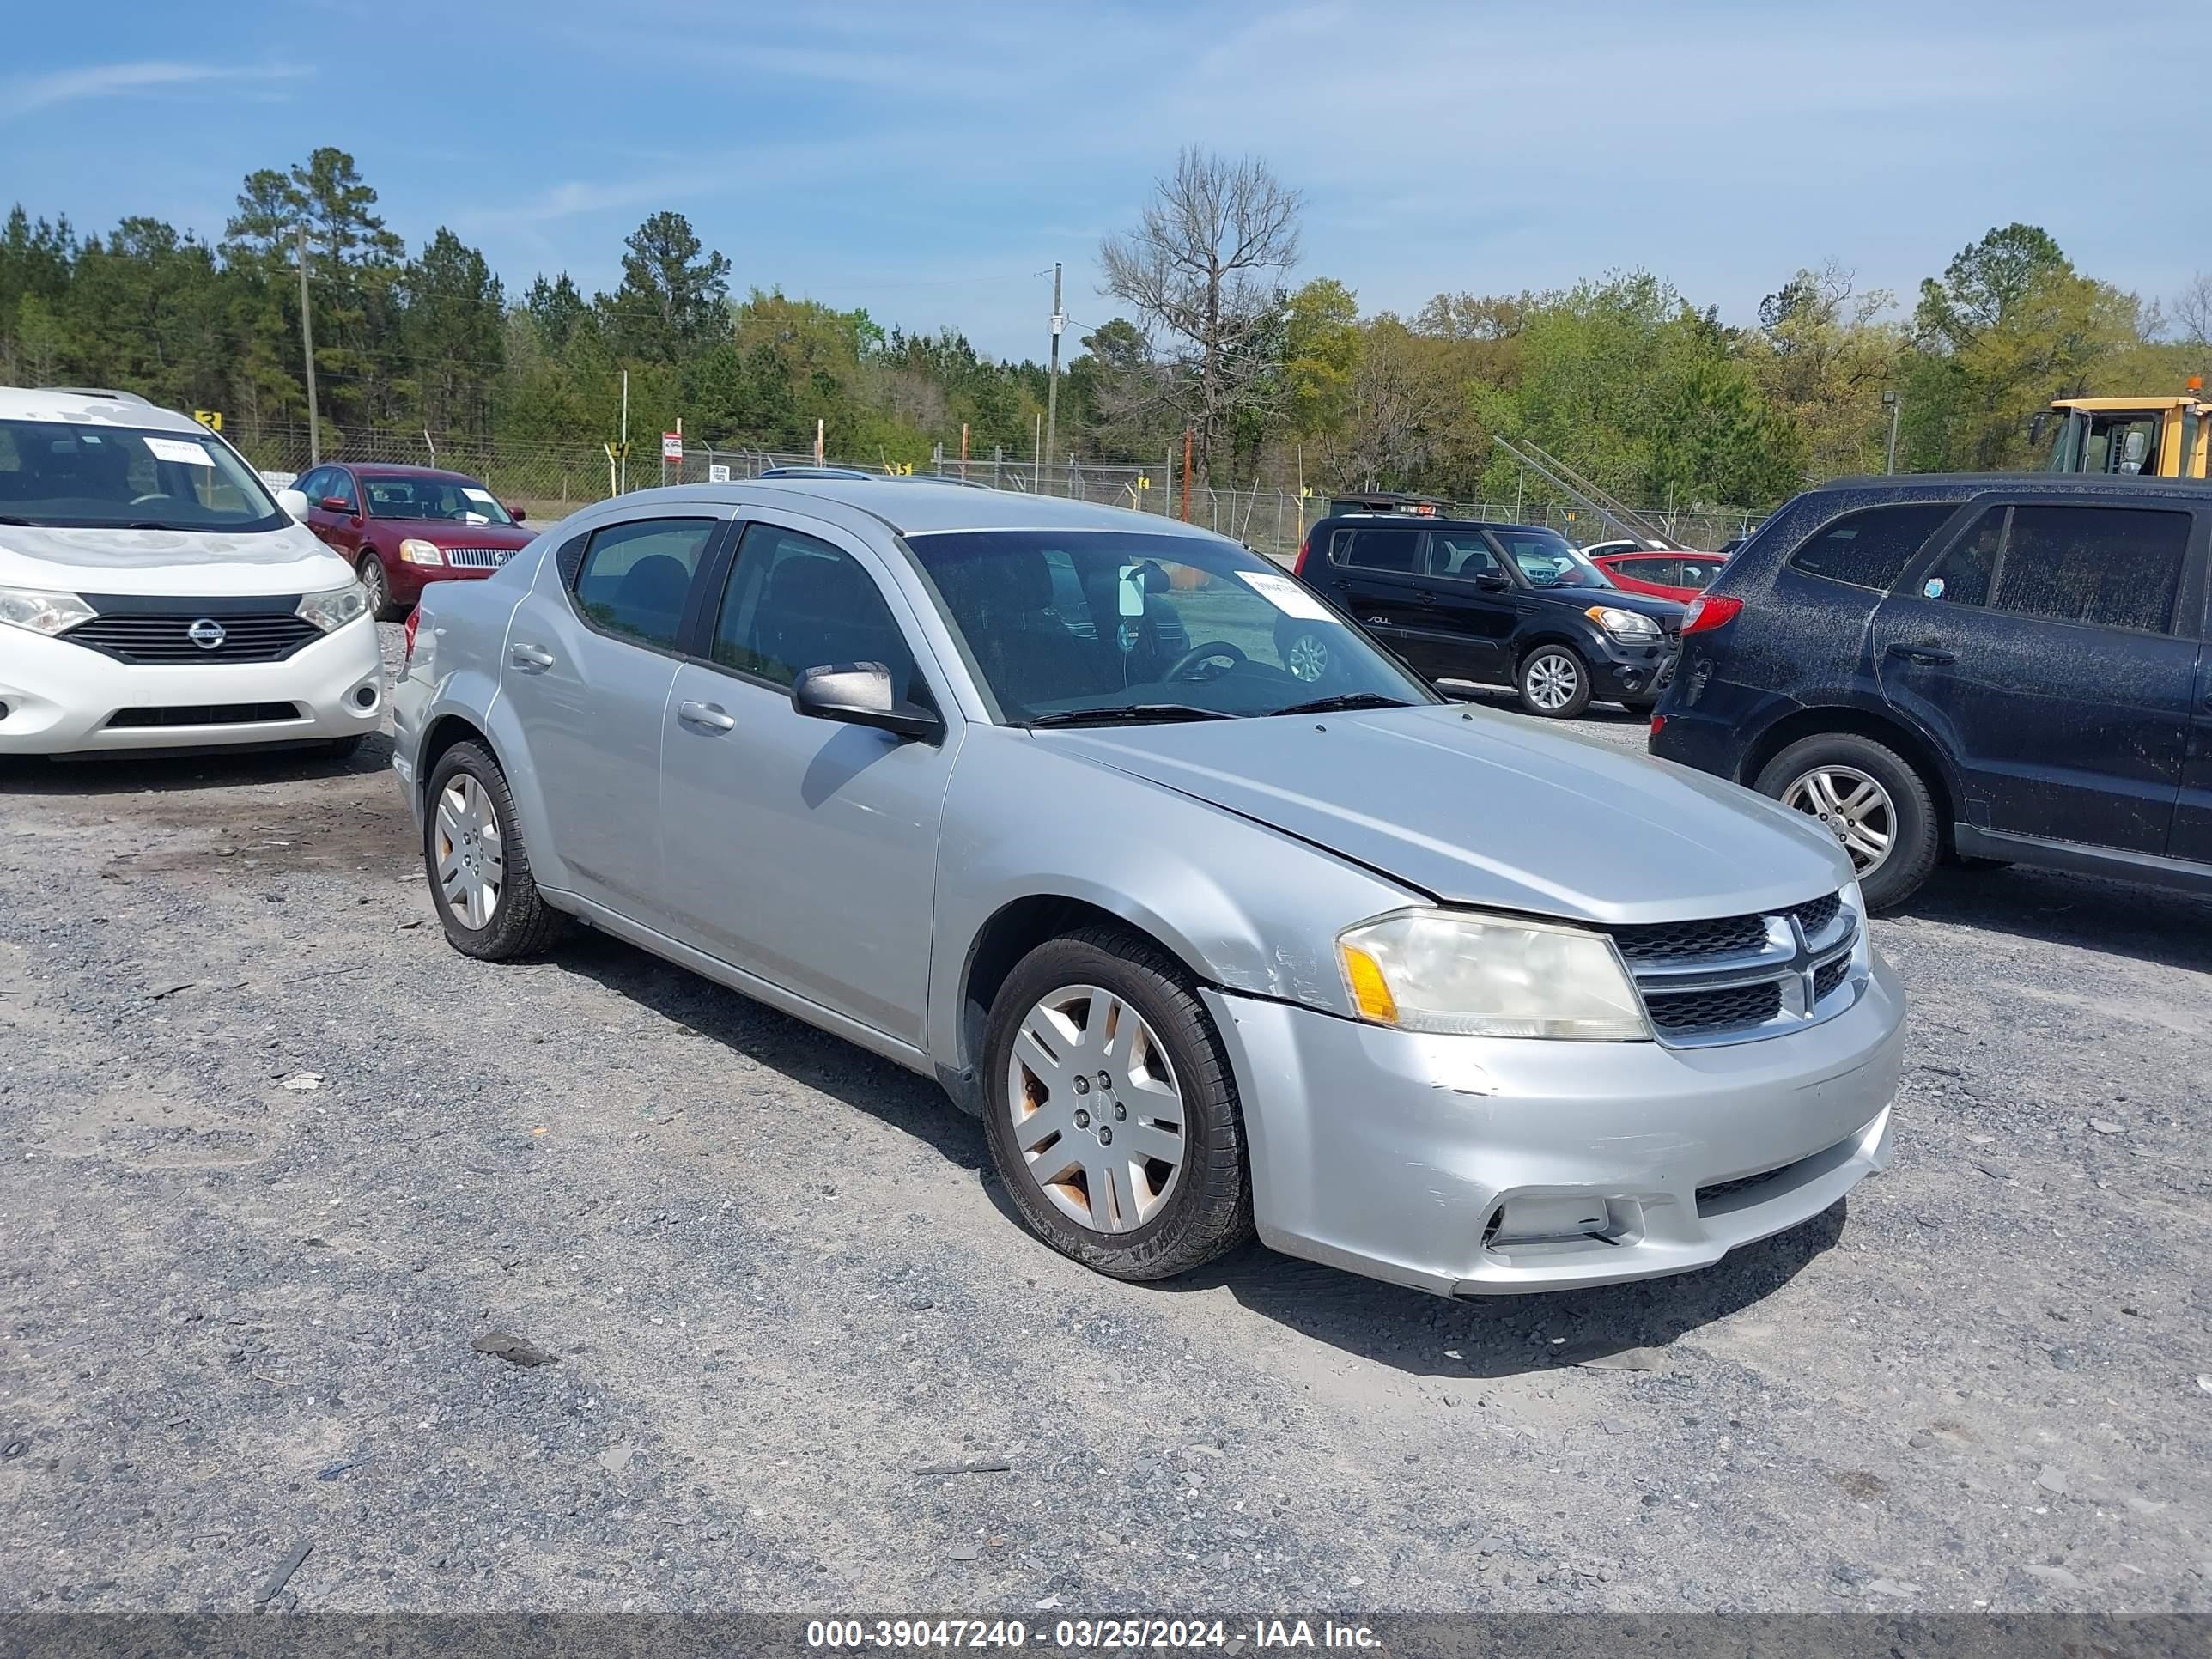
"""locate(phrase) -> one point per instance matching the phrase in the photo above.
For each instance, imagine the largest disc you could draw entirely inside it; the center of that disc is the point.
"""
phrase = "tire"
(1914, 823)
(1554, 682)
(345, 748)
(517, 922)
(1305, 653)
(378, 584)
(1157, 1225)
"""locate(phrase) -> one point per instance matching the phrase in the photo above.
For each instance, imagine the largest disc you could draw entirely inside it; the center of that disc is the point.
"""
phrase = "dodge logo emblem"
(207, 633)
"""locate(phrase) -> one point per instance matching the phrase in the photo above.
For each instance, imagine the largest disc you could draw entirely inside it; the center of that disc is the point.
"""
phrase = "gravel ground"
(275, 1155)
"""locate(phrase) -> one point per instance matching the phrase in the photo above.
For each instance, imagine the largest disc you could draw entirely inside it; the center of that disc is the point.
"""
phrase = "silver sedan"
(1025, 795)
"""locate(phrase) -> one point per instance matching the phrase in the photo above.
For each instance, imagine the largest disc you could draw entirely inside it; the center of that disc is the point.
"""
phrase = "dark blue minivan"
(1987, 668)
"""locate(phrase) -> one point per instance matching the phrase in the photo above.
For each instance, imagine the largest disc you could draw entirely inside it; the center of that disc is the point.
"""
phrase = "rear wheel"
(1554, 682)
(478, 867)
(1872, 799)
(378, 584)
(1111, 1111)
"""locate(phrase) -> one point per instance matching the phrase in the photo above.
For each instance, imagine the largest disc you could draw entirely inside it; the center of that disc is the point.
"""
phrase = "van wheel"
(1111, 1111)
(1872, 799)
(1554, 682)
(479, 870)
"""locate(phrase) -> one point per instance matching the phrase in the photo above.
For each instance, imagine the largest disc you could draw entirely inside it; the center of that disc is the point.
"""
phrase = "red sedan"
(402, 526)
(1680, 576)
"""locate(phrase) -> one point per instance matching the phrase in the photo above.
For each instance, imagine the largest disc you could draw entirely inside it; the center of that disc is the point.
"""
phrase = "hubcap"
(471, 859)
(1308, 657)
(1855, 808)
(1096, 1113)
(1553, 680)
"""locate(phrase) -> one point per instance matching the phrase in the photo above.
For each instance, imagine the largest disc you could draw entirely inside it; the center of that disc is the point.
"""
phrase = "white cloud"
(30, 93)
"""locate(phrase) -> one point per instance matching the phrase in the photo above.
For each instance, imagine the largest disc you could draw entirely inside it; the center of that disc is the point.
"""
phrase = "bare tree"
(1198, 267)
(2192, 311)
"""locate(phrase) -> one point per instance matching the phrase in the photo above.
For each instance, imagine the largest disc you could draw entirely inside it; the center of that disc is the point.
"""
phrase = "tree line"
(1286, 382)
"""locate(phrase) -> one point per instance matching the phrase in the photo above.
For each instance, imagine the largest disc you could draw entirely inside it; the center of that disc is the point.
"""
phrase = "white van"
(154, 595)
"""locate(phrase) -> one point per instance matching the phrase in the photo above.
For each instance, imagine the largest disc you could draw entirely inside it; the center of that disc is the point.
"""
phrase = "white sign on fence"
(718, 472)
(671, 445)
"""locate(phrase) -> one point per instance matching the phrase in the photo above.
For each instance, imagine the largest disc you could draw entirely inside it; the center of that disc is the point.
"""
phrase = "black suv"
(1494, 603)
(1995, 668)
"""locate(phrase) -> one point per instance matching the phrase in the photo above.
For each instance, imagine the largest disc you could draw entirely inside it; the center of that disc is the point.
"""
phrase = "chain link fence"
(550, 480)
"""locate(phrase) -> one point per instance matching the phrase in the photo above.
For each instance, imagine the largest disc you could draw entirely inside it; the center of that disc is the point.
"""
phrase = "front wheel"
(1554, 682)
(1111, 1111)
(478, 867)
(1872, 799)
(377, 581)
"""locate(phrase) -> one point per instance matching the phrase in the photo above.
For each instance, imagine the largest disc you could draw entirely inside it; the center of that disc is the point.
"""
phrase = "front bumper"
(408, 580)
(1473, 1166)
(67, 699)
(1635, 673)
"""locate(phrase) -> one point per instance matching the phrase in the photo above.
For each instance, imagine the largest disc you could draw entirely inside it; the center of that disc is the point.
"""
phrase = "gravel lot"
(275, 1155)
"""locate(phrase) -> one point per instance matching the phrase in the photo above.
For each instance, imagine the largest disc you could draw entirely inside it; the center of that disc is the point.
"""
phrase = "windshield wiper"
(1347, 700)
(1129, 713)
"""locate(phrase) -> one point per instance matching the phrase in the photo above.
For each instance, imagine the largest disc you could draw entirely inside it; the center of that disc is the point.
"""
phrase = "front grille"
(479, 558)
(1701, 1014)
(205, 714)
(1814, 918)
(1709, 1196)
(1732, 978)
(1688, 941)
(157, 638)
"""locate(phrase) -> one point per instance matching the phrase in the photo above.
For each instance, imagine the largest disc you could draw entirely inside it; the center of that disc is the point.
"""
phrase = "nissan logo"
(207, 633)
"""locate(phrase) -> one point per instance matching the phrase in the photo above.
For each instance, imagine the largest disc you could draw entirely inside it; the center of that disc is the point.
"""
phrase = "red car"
(1680, 576)
(402, 526)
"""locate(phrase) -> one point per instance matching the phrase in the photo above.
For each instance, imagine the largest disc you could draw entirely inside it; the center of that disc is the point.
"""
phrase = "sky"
(932, 162)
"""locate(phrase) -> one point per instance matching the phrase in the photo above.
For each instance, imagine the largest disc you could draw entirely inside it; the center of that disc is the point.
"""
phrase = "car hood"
(1476, 808)
(143, 563)
(1578, 600)
(444, 532)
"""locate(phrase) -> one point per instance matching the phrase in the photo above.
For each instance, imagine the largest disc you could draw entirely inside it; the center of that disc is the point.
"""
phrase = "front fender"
(1244, 907)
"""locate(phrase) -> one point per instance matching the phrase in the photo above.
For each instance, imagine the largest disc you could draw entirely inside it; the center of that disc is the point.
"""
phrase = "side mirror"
(337, 504)
(1492, 581)
(516, 512)
(293, 503)
(859, 694)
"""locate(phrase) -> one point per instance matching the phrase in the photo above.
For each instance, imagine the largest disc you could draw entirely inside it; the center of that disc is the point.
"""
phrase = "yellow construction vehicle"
(2149, 437)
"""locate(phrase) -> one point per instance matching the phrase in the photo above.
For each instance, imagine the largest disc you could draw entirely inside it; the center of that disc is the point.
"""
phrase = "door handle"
(706, 715)
(1930, 655)
(530, 658)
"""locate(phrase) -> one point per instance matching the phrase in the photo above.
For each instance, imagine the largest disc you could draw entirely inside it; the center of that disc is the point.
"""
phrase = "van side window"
(1868, 549)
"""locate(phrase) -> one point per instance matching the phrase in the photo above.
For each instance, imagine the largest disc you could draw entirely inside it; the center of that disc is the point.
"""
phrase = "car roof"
(401, 469)
(89, 404)
(1652, 553)
(913, 507)
(2082, 483)
(1423, 521)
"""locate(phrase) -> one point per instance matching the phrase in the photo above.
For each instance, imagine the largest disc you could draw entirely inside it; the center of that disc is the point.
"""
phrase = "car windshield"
(76, 475)
(1548, 559)
(1067, 628)
(433, 501)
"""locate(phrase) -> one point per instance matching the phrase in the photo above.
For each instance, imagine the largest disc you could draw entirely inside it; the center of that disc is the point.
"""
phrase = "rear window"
(1869, 548)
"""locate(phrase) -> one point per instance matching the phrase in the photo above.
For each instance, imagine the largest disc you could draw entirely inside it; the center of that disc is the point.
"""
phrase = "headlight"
(42, 612)
(334, 609)
(1434, 970)
(1623, 624)
(416, 551)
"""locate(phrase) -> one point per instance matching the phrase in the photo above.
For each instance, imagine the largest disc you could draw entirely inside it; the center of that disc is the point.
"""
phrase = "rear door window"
(1385, 549)
(1869, 548)
(2106, 566)
(635, 577)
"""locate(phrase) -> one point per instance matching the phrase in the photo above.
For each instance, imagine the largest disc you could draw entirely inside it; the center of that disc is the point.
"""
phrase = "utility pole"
(1891, 399)
(308, 350)
(1052, 382)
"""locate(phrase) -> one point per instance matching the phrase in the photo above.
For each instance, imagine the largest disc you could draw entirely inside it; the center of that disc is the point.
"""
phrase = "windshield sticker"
(476, 494)
(1285, 595)
(1934, 587)
(179, 449)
